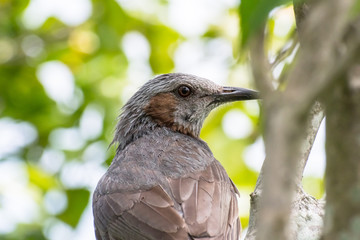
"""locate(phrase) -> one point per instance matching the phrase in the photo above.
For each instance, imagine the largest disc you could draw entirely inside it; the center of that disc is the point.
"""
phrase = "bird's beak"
(231, 94)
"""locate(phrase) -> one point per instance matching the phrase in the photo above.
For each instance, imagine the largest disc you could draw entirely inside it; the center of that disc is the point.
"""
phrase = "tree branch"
(322, 32)
(260, 65)
(286, 115)
(307, 212)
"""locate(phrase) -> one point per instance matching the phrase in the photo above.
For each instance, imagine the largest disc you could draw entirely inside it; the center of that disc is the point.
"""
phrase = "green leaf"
(253, 14)
(77, 202)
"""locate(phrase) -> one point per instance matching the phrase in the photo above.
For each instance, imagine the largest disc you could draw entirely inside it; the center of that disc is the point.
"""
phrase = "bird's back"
(165, 185)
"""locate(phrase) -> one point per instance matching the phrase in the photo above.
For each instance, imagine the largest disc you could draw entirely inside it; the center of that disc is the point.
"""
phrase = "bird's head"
(176, 101)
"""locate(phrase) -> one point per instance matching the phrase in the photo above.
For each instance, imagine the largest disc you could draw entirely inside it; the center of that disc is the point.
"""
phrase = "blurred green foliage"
(254, 13)
(54, 175)
(77, 201)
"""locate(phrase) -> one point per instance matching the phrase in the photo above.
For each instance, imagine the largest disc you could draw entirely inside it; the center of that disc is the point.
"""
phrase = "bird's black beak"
(231, 94)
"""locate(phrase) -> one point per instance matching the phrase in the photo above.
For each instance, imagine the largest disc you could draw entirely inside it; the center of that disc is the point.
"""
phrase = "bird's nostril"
(226, 90)
(230, 94)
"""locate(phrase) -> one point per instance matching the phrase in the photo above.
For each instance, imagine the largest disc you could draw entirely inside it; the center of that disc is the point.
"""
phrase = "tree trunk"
(280, 209)
(342, 219)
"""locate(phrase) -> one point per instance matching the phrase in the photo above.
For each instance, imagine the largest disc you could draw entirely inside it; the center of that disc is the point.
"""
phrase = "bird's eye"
(184, 91)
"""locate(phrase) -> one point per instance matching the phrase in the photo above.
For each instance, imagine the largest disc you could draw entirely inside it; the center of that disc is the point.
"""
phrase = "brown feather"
(186, 188)
(157, 197)
(166, 220)
(138, 201)
(204, 199)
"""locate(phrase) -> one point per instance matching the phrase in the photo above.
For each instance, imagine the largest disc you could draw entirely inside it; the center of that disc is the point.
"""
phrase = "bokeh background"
(67, 67)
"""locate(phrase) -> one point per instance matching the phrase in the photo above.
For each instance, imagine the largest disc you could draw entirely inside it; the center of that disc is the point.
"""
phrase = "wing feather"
(144, 215)
(201, 205)
(169, 189)
(209, 203)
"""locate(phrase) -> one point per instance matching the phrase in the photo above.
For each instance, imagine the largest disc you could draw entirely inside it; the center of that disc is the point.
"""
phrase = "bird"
(164, 182)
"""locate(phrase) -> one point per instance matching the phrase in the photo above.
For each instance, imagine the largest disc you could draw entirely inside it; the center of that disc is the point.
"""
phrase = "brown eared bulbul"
(164, 182)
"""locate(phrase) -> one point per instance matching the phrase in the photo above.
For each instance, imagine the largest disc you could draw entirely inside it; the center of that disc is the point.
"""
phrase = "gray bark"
(279, 207)
(342, 219)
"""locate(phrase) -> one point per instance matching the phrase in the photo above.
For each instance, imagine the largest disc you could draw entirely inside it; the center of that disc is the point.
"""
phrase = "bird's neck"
(187, 128)
(142, 116)
(131, 127)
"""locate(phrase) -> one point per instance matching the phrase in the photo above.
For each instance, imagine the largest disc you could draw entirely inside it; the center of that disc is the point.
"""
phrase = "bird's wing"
(139, 215)
(200, 205)
(209, 203)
